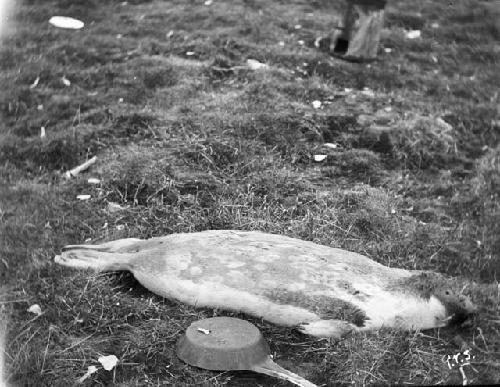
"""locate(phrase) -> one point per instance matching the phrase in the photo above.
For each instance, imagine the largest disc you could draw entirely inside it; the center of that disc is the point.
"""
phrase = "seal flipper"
(84, 257)
(327, 328)
(120, 245)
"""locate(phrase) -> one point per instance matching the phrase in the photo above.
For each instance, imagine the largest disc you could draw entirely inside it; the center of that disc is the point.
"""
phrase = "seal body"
(324, 291)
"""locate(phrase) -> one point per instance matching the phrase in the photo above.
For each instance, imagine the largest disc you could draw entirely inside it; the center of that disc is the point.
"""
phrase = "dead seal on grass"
(323, 291)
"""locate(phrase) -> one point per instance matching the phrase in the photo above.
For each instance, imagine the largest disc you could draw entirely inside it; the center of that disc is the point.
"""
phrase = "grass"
(194, 142)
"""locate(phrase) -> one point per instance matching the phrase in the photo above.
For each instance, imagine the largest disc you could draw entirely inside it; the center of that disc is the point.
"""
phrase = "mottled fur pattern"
(323, 291)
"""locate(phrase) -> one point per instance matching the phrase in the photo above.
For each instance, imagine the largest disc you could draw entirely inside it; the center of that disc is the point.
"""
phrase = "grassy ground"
(188, 143)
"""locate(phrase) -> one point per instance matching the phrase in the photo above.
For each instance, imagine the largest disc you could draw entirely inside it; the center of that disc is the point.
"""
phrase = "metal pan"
(230, 344)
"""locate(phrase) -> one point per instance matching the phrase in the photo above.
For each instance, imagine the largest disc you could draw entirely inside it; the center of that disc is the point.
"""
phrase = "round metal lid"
(222, 343)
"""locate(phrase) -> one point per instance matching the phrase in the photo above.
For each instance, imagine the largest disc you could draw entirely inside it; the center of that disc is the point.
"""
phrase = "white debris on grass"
(93, 180)
(446, 126)
(35, 83)
(66, 81)
(90, 370)
(413, 34)
(66, 22)
(368, 92)
(35, 309)
(108, 362)
(255, 65)
(83, 197)
(42, 132)
(75, 171)
(330, 145)
(316, 104)
(114, 207)
(319, 158)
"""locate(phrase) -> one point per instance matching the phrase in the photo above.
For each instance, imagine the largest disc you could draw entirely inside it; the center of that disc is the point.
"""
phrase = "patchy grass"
(188, 139)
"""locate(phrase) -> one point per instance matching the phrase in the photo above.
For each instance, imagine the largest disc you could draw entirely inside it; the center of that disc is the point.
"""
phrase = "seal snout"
(462, 310)
(469, 307)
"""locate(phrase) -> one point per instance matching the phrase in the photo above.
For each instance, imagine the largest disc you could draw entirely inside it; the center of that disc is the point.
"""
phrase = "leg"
(327, 328)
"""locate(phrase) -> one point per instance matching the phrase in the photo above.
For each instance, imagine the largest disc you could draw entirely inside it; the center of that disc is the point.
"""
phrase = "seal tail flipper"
(83, 257)
(120, 245)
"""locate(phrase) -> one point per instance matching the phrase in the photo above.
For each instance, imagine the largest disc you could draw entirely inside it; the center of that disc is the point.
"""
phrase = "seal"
(323, 291)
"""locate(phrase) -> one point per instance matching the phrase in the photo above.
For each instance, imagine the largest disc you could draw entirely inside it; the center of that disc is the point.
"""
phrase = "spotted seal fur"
(323, 291)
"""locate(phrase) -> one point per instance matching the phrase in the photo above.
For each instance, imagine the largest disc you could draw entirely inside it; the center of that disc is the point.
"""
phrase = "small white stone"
(256, 65)
(35, 309)
(66, 22)
(93, 180)
(66, 81)
(331, 145)
(108, 362)
(413, 34)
